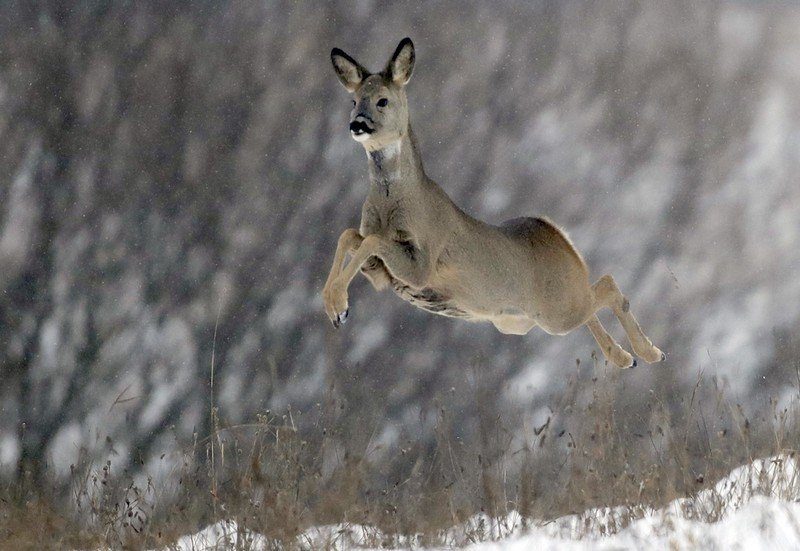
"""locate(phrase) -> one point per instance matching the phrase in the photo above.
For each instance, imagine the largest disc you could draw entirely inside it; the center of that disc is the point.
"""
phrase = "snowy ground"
(755, 507)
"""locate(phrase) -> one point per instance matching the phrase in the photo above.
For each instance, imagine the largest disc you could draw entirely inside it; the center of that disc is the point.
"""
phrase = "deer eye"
(383, 102)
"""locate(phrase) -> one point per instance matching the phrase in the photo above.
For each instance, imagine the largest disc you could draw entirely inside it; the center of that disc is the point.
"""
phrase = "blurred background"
(174, 176)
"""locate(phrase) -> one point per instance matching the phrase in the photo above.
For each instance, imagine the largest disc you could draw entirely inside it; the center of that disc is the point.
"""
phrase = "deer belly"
(428, 299)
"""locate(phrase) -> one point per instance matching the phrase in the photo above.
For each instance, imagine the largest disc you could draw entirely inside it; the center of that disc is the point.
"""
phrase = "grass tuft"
(596, 457)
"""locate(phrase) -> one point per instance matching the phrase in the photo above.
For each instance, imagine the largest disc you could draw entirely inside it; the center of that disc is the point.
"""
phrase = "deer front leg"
(349, 241)
(405, 262)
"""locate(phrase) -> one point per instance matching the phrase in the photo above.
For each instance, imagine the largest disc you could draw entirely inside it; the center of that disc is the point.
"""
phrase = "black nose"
(360, 127)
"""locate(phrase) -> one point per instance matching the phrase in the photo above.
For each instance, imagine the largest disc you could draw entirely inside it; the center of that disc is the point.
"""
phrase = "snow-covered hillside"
(756, 507)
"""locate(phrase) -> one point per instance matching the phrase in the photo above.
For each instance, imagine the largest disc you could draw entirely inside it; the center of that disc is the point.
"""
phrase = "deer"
(521, 274)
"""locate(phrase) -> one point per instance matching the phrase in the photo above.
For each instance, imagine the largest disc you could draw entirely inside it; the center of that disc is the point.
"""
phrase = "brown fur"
(413, 238)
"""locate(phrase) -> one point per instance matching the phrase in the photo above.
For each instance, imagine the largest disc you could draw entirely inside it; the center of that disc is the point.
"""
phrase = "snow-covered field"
(756, 506)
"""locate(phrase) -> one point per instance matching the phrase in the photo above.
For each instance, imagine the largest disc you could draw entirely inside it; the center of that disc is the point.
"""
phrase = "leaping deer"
(519, 275)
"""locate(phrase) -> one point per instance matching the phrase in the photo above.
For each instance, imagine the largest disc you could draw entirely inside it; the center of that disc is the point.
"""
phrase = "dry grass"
(281, 475)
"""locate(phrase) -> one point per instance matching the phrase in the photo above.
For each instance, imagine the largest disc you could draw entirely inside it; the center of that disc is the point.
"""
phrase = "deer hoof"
(341, 319)
(663, 356)
(634, 364)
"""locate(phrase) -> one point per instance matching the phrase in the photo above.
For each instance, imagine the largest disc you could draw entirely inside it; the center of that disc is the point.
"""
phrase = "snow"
(9, 452)
(756, 506)
(764, 523)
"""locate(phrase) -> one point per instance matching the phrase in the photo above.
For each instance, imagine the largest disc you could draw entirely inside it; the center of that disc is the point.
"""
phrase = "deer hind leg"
(611, 350)
(608, 294)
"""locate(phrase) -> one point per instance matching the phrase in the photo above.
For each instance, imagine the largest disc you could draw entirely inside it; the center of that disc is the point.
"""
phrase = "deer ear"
(401, 65)
(350, 72)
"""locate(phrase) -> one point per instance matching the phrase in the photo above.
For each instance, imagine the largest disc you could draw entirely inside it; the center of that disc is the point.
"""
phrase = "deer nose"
(360, 127)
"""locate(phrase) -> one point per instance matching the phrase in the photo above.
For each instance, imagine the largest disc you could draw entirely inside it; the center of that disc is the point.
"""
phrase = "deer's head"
(380, 107)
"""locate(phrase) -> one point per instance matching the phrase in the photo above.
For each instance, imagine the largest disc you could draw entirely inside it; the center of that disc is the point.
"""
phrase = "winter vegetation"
(754, 507)
(263, 486)
(173, 179)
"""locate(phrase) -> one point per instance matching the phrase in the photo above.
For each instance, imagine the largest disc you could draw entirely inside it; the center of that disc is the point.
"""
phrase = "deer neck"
(396, 167)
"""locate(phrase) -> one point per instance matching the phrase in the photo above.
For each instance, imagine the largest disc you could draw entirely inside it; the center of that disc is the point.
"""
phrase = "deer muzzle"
(360, 126)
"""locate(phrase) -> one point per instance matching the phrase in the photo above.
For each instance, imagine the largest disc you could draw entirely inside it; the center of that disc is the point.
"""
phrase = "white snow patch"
(494, 199)
(756, 506)
(763, 523)
(367, 340)
(64, 450)
(222, 535)
(20, 218)
(287, 306)
(9, 452)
